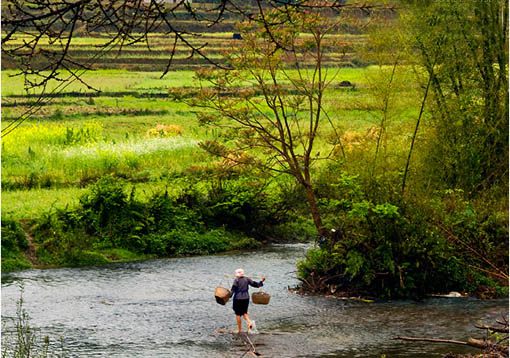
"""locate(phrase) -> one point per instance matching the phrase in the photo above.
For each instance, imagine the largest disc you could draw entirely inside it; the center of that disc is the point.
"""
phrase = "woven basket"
(222, 295)
(260, 298)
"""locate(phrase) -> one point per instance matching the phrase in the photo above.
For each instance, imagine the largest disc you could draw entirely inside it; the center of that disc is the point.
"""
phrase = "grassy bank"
(109, 223)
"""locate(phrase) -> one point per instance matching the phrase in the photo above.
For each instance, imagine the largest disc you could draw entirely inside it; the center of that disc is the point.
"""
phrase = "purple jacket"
(240, 287)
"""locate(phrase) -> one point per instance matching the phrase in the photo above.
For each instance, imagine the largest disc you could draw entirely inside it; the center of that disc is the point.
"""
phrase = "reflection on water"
(166, 308)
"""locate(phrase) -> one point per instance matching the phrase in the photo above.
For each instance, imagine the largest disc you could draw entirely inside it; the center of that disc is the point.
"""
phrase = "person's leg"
(248, 321)
(239, 324)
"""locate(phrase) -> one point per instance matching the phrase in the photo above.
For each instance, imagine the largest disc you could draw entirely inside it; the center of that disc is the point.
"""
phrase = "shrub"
(14, 243)
(108, 212)
(13, 237)
(15, 263)
(168, 213)
(108, 219)
(193, 243)
(391, 251)
(388, 247)
(244, 206)
(103, 203)
(296, 229)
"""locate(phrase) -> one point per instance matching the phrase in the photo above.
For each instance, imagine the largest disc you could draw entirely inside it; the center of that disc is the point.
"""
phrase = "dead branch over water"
(493, 345)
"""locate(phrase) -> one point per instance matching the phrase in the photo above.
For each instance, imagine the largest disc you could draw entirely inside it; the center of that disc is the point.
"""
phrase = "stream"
(166, 308)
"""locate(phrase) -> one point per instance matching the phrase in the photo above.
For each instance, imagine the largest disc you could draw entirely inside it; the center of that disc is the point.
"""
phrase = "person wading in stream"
(242, 298)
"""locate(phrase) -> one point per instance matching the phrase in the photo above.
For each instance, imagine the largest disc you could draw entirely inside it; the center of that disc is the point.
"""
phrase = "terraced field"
(155, 54)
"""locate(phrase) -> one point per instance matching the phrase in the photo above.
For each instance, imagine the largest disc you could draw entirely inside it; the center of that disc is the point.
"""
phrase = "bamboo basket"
(222, 295)
(260, 298)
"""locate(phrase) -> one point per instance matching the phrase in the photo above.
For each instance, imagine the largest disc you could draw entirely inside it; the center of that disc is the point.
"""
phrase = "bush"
(167, 213)
(109, 220)
(478, 228)
(15, 263)
(14, 243)
(237, 205)
(103, 204)
(388, 251)
(298, 229)
(388, 247)
(13, 237)
(184, 242)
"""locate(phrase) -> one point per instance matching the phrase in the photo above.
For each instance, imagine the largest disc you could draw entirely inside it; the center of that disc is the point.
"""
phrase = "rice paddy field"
(131, 127)
(154, 54)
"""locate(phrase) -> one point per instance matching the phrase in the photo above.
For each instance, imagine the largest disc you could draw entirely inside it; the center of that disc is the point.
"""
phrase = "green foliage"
(479, 229)
(104, 199)
(242, 205)
(397, 249)
(13, 236)
(192, 243)
(296, 228)
(14, 243)
(385, 243)
(317, 261)
(384, 254)
(108, 212)
(85, 258)
(462, 46)
(110, 224)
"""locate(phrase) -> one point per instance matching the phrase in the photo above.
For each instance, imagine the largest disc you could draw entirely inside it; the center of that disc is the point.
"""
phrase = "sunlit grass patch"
(30, 204)
(146, 160)
(52, 134)
(104, 80)
(147, 146)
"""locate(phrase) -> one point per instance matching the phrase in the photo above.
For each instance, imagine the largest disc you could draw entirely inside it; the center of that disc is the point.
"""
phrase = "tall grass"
(33, 165)
(21, 340)
(53, 134)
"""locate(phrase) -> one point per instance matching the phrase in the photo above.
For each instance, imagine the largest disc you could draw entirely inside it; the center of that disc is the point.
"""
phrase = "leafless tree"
(270, 104)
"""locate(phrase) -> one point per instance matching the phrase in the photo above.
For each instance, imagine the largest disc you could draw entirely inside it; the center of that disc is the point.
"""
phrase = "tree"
(272, 100)
(463, 47)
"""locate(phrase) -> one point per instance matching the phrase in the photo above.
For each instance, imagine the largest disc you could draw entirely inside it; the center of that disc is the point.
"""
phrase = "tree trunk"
(314, 209)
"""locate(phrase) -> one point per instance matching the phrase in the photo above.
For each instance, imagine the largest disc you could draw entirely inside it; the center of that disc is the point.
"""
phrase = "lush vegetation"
(14, 244)
(110, 224)
(438, 222)
(397, 170)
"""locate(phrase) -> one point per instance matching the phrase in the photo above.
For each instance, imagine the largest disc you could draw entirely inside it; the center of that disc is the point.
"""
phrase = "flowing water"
(166, 308)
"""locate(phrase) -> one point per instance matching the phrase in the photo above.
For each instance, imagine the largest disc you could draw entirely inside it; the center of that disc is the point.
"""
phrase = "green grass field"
(133, 129)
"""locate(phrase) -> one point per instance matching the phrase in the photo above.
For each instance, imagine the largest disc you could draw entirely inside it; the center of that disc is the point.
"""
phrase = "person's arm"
(234, 288)
(256, 284)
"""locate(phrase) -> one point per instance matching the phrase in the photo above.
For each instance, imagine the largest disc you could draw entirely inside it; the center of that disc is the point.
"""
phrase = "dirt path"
(30, 251)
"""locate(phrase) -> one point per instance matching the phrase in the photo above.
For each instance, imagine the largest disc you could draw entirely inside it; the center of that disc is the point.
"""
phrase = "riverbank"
(111, 225)
(20, 251)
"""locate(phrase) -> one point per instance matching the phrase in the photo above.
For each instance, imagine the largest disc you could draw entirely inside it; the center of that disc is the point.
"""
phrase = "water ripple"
(165, 308)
